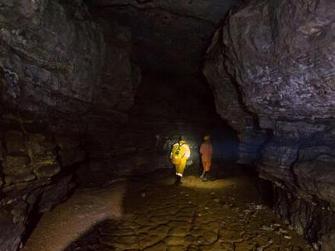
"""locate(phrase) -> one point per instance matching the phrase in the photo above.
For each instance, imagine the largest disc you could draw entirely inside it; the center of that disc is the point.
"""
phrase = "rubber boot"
(205, 177)
(178, 180)
(202, 175)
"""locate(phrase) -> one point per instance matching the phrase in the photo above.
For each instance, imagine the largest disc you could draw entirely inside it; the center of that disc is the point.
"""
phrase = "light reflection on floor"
(150, 213)
(193, 182)
(68, 221)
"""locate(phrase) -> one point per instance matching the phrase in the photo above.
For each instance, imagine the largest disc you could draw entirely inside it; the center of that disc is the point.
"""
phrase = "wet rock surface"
(218, 215)
(71, 219)
(277, 59)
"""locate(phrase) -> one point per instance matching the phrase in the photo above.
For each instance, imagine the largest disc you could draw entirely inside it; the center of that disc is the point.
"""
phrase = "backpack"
(175, 154)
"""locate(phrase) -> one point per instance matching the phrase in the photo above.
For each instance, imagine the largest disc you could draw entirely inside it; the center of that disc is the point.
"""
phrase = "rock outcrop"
(62, 94)
(271, 67)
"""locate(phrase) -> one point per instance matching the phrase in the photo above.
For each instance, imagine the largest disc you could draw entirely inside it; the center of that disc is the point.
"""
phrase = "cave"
(96, 94)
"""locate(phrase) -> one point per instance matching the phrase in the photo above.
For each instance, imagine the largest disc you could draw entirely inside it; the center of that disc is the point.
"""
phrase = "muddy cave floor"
(150, 213)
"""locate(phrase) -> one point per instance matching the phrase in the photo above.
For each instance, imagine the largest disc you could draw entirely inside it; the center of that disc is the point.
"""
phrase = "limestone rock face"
(48, 54)
(272, 63)
(56, 104)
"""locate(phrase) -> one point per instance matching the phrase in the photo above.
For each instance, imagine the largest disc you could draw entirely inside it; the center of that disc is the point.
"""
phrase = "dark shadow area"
(35, 217)
(166, 107)
(266, 191)
(90, 241)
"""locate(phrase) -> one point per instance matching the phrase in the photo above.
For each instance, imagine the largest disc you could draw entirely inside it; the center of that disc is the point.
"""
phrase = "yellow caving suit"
(179, 156)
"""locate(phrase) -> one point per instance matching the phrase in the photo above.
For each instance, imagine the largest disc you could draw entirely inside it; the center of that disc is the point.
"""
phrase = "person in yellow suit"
(179, 155)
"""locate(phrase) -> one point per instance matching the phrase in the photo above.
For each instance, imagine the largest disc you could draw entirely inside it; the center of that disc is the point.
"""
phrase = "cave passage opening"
(169, 106)
(90, 108)
(172, 97)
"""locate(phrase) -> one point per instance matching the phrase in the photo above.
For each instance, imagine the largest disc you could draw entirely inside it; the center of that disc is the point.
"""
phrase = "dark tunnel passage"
(167, 125)
(165, 108)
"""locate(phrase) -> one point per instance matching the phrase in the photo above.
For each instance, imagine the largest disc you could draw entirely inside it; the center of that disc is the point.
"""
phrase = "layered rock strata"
(55, 100)
(271, 65)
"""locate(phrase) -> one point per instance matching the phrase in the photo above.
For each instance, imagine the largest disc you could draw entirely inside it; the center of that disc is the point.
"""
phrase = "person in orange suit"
(206, 152)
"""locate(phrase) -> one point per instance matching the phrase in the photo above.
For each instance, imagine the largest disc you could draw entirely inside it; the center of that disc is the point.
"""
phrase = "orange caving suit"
(179, 156)
(206, 151)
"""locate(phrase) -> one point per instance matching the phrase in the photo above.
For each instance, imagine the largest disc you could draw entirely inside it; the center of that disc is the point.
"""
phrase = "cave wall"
(115, 96)
(63, 93)
(271, 67)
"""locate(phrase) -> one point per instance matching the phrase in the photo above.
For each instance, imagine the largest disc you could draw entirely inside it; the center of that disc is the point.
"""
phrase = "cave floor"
(153, 214)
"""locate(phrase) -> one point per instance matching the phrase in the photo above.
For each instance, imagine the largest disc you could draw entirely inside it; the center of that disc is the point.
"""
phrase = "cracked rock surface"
(217, 215)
